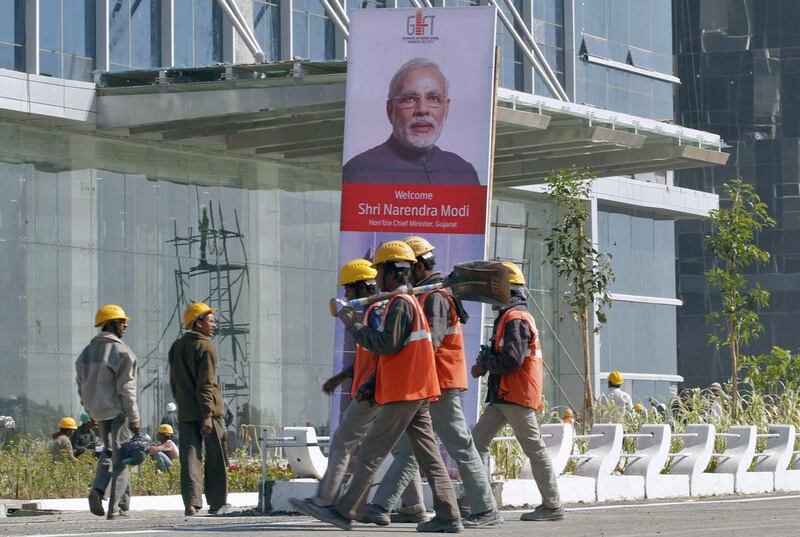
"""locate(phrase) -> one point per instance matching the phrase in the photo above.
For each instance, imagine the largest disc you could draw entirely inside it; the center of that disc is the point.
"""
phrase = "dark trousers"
(393, 419)
(215, 470)
(111, 476)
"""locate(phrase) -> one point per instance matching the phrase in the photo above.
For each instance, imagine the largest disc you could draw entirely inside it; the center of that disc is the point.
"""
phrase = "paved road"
(775, 516)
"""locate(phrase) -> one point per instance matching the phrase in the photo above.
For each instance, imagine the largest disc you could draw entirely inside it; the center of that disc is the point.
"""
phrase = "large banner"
(417, 142)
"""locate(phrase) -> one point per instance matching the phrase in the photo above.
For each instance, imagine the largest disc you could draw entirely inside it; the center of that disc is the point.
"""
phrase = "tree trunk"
(588, 400)
(734, 378)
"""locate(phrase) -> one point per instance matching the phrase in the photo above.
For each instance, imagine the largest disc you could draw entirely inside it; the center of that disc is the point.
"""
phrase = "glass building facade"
(90, 219)
(740, 62)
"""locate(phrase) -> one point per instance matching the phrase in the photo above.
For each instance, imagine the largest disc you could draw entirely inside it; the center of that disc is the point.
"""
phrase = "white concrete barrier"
(600, 461)
(777, 455)
(559, 439)
(649, 459)
(693, 459)
(738, 456)
(303, 453)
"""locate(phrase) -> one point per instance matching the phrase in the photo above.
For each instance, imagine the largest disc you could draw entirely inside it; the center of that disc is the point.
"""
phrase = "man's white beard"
(422, 141)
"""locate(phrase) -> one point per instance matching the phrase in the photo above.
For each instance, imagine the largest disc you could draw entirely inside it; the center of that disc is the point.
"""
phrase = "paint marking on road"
(193, 527)
(668, 504)
(118, 532)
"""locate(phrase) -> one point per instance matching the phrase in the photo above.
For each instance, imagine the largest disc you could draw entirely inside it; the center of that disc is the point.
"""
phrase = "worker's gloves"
(347, 315)
(333, 382)
(366, 392)
(479, 369)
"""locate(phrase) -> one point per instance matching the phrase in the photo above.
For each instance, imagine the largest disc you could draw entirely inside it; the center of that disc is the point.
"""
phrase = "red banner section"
(459, 209)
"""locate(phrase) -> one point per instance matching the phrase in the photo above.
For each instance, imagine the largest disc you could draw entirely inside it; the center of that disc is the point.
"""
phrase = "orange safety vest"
(365, 362)
(410, 373)
(523, 386)
(451, 361)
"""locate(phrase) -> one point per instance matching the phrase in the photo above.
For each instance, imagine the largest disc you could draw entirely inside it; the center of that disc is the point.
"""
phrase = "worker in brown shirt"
(193, 379)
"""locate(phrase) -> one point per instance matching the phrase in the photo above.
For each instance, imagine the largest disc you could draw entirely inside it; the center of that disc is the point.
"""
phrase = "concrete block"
(755, 482)
(46, 109)
(282, 491)
(787, 481)
(649, 460)
(708, 484)
(667, 486)
(2, 510)
(79, 98)
(32, 506)
(620, 487)
(305, 460)
(577, 489)
(517, 492)
(13, 104)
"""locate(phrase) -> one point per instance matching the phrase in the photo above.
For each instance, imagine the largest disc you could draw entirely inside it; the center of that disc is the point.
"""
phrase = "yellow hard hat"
(109, 312)
(67, 423)
(638, 407)
(195, 311)
(357, 270)
(615, 377)
(568, 413)
(419, 245)
(515, 277)
(165, 428)
(394, 251)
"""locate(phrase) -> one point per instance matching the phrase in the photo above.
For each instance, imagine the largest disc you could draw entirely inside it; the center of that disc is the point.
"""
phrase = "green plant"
(588, 272)
(733, 243)
(772, 373)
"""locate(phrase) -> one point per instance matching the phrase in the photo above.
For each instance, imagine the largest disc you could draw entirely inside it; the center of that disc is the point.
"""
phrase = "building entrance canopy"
(293, 112)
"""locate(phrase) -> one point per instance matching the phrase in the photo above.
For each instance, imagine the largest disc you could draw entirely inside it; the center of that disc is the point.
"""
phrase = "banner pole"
(490, 181)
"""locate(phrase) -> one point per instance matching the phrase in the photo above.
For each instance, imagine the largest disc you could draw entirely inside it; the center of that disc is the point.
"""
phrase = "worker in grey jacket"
(106, 376)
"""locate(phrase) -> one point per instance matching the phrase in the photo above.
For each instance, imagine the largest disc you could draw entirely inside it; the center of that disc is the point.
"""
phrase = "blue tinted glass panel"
(12, 21)
(184, 34)
(119, 32)
(50, 64)
(77, 68)
(267, 24)
(300, 34)
(207, 32)
(50, 24)
(146, 28)
(79, 28)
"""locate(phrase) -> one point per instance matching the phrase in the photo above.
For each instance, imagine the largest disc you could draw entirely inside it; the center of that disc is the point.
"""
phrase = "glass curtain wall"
(67, 42)
(548, 31)
(313, 32)
(86, 221)
(197, 32)
(637, 32)
(267, 27)
(12, 34)
(134, 34)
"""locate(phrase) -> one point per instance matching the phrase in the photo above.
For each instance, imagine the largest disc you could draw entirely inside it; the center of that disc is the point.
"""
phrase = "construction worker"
(106, 377)
(616, 395)
(357, 276)
(568, 417)
(165, 451)
(193, 380)
(444, 315)
(85, 437)
(60, 445)
(514, 363)
(170, 417)
(405, 381)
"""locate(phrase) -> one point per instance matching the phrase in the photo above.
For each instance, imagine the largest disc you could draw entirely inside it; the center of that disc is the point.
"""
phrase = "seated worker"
(60, 446)
(85, 438)
(165, 451)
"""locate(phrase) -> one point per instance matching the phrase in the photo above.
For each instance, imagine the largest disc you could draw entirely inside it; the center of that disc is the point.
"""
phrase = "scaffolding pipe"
(335, 18)
(548, 72)
(248, 30)
(525, 50)
(341, 12)
(255, 50)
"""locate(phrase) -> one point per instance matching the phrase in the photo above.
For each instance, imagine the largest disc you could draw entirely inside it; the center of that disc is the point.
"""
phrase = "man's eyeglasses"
(411, 100)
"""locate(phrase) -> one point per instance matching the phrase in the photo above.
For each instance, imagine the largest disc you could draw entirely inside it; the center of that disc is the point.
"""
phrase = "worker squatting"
(409, 369)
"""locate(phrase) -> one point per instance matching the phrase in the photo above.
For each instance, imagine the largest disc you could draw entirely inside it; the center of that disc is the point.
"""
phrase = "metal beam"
(285, 135)
(297, 146)
(233, 127)
(249, 40)
(563, 150)
(521, 118)
(335, 18)
(320, 151)
(574, 135)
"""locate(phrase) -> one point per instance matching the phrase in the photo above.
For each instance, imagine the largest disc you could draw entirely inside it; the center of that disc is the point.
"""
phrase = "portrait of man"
(417, 106)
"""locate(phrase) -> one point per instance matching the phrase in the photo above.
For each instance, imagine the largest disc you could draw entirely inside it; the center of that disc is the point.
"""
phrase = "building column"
(102, 37)
(287, 45)
(569, 49)
(167, 33)
(32, 37)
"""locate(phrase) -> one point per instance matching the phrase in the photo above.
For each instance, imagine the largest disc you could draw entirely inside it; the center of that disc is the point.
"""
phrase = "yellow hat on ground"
(515, 276)
(394, 251)
(67, 423)
(194, 312)
(356, 270)
(419, 245)
(165, 428)
(615, 377)
(109, 312)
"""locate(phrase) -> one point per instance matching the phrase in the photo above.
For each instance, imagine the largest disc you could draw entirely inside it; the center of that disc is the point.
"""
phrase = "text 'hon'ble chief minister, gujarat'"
(417, 108)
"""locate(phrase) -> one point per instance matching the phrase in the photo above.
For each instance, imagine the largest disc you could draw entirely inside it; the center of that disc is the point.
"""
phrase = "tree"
(587, 272)
(733, 243)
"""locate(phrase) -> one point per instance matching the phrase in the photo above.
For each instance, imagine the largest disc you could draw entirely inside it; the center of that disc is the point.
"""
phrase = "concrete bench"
(693, 459)
(600, 461)
(649, 459)
(559, 439)
(776, 457)
(301, 449)
(738, 456)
